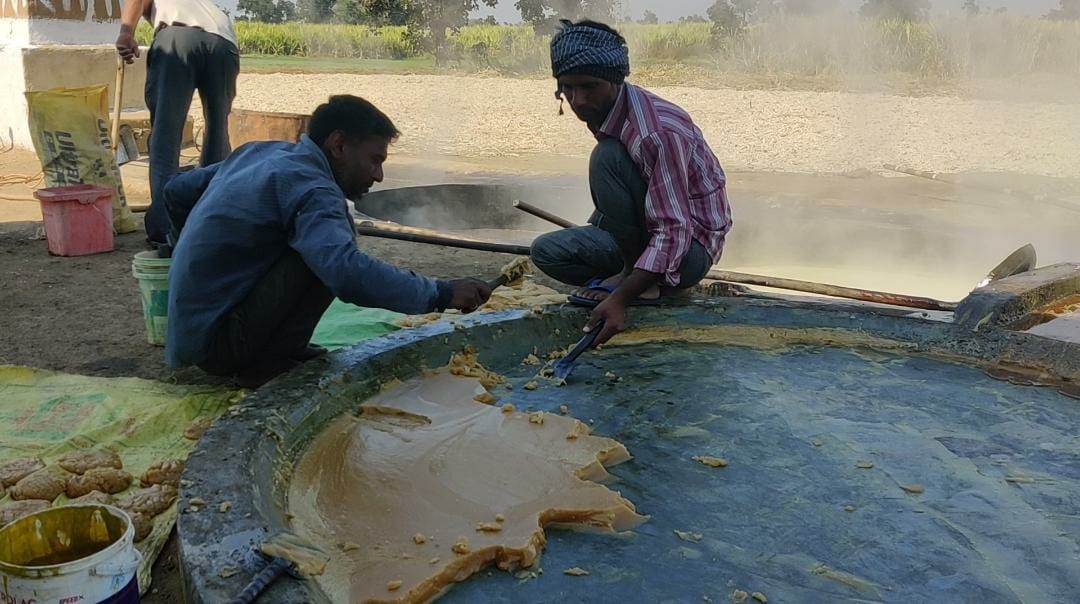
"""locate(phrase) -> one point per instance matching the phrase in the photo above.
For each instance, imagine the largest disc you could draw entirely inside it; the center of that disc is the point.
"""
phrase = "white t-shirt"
(195, 13)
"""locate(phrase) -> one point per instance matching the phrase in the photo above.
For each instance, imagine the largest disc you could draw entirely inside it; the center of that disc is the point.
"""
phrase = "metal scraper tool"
(565, 366)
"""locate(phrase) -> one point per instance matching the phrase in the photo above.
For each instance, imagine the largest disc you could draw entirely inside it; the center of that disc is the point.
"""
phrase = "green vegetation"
(323, 40)
(271, 64)
(984, 46)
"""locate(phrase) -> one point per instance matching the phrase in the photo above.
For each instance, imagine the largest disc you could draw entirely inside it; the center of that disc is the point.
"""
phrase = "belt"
(163, 25)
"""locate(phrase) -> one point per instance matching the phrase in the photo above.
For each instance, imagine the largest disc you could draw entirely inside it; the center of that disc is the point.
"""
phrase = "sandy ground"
(749, 130)
(82, 315)
(17, 201)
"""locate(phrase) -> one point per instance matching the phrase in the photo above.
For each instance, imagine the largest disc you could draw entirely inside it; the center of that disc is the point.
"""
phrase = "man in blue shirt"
(270, 243)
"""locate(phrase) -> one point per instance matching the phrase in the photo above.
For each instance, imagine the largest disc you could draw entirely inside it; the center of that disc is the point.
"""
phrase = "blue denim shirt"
(263, 200)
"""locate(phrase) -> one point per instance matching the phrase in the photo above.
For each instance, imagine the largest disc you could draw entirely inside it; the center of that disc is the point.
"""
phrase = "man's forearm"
(132, 11)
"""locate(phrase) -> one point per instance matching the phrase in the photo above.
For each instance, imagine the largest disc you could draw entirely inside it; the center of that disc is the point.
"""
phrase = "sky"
(671, 10)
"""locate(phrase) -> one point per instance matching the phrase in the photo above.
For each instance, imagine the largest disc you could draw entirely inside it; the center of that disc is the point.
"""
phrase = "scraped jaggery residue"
(527, 294)
(425, 458)
(466, 364)
(712, 462)
(522, 295)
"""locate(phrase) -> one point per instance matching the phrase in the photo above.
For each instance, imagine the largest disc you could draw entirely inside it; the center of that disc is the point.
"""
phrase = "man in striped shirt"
(661, 208)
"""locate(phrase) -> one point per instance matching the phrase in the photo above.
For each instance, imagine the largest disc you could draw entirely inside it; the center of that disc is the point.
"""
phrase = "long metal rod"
(443, 239)
(528, 208)
(823, 289)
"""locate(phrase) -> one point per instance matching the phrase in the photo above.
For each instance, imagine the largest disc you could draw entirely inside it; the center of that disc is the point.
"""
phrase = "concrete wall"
(12, 83)
(34, 68)
(61, 10)
(63, 43)
(61, 21)
(71, 66)
(55, 31)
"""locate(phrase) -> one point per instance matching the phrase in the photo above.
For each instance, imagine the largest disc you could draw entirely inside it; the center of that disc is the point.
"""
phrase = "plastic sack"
(70, 129)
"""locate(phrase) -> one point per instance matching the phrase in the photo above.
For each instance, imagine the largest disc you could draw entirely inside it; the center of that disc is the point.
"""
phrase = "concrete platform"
(865, 382)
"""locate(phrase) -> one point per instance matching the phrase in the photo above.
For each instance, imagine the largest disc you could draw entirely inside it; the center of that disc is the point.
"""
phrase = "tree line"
(539, 13)
(427, 21)
(543, 14)
(732, 15)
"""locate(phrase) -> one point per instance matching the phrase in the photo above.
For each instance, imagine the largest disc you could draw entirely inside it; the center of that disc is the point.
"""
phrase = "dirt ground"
(17, 201)
(751, 130)
(83, 315)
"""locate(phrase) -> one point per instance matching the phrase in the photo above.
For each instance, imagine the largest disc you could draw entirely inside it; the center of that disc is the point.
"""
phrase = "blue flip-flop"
(596, 284)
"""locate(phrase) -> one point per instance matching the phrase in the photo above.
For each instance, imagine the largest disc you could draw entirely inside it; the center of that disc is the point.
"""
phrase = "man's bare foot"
(597, 293)
(601, 292)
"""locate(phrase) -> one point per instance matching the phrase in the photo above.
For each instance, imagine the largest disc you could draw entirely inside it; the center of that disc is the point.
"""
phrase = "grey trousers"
(576, 255)
(182, 60)
(273, 323)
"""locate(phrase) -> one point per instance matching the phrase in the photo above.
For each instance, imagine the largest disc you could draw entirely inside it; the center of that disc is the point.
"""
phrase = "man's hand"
(468, 294)
(612, 312)
(133, 10)
(613, 309)
(126, 46)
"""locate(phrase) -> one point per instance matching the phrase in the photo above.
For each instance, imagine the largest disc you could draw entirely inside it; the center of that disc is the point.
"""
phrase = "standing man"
(194, 48)
(267, 243)
(661, 208)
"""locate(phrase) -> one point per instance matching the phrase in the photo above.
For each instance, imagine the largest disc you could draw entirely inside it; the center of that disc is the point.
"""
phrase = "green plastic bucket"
(153, 276)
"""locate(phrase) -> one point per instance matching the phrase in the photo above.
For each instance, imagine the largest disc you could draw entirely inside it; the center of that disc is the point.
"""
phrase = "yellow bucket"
(75, 553)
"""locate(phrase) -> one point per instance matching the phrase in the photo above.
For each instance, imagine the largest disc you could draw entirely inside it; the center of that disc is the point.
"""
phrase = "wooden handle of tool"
(543, 214)
(430, 237)
(393, 227)
(808, 287)
(835, 291)
(118, 102)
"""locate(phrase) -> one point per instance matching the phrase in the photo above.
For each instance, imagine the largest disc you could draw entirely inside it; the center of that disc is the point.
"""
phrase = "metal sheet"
(1000, 465)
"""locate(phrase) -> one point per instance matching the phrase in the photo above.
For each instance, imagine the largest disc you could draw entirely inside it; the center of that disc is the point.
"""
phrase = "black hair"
(602, 27)
(354, 116)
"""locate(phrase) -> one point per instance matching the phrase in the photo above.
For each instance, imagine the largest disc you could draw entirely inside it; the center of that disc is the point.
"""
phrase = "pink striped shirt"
(687, 196)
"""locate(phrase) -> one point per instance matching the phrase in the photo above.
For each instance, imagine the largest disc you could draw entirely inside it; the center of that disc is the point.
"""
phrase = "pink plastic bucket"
(78, 219)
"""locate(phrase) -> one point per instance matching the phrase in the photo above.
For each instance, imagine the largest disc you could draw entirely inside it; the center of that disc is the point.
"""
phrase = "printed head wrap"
(584, 49)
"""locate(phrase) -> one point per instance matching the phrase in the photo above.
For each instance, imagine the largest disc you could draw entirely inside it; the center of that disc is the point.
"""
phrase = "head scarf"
(582, 49)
